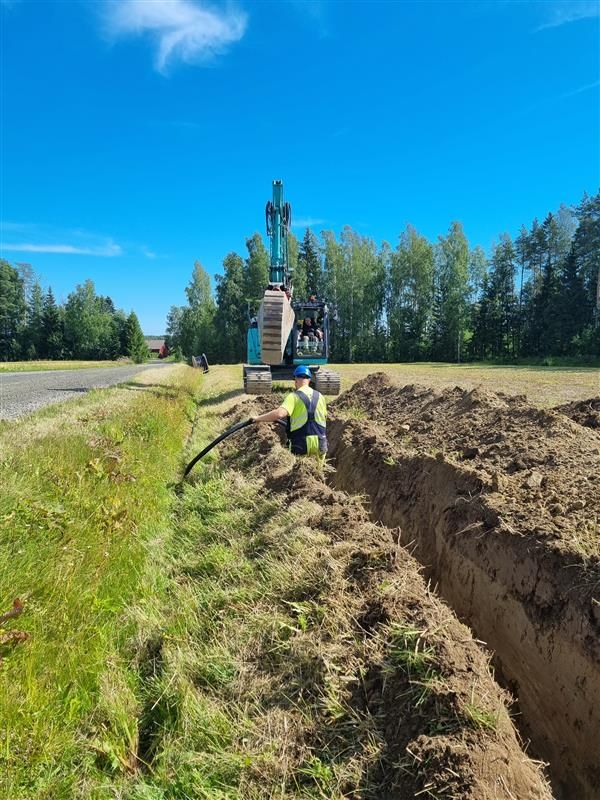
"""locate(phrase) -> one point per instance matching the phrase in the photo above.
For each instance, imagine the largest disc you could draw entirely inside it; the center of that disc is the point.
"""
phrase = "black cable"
(220, 438)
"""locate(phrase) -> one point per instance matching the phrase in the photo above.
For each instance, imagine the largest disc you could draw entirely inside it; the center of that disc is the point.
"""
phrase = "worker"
(306, 413)
(307, 327)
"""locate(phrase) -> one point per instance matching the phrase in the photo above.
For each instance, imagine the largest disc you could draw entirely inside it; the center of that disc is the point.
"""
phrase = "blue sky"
(139, 135)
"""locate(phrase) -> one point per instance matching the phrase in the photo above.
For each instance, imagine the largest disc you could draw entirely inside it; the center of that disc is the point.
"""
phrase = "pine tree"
(310, 260)
(522, 256)
(480, 345)
(137, 349)
(501, 300)
(586, 252)
(572, 308)
(53, 327)
(35, 346)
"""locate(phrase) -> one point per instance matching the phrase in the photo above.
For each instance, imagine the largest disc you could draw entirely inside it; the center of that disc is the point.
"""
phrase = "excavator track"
(257, 380)
(327, 382)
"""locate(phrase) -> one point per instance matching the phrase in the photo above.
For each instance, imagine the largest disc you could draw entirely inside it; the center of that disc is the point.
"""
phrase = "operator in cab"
(306, 413)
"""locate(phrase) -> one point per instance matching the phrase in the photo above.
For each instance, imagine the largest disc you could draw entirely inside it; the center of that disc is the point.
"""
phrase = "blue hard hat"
(302, 372)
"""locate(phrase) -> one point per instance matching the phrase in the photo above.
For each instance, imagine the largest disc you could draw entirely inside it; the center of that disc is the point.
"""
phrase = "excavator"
(286, 332)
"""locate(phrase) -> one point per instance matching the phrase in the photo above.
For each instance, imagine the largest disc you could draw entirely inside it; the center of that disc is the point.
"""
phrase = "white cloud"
(307, 222)
(109, 249)
(183, 30)
(585, 88)
(561, 12)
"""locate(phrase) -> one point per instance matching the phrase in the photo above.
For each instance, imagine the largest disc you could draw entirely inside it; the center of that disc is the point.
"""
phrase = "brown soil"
(401, 698)
(585, 412)
(499, 501)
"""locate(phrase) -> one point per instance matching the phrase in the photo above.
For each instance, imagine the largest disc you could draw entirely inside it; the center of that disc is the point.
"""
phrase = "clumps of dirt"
(10, 638)
(377, 690)
(584, 412)
(545, 466)
(499, 501)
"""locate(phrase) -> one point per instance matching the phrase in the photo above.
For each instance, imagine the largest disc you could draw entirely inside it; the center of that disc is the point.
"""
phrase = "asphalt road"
(24, 392)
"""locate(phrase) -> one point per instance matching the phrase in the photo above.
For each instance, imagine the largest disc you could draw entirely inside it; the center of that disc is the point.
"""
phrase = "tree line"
(87, 326)
(534, 297)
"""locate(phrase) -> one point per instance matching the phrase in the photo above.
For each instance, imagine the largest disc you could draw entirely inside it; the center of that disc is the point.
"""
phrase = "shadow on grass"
(156, 389)
(214, 400)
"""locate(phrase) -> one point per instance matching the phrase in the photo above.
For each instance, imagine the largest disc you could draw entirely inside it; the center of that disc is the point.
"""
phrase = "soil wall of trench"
(518, 595)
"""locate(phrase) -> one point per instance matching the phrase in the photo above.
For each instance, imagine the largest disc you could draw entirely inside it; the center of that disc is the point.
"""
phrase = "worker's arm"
(272, 416)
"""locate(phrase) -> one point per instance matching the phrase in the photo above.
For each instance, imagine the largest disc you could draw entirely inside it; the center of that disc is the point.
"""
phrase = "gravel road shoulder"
(24, 392)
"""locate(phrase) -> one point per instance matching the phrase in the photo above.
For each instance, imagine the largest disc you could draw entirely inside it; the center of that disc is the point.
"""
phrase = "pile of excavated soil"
(585, 412)
(399, 695)
(545, 468)
(500, 502)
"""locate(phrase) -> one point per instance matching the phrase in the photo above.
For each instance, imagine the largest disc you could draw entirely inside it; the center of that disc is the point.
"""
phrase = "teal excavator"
(286, 332)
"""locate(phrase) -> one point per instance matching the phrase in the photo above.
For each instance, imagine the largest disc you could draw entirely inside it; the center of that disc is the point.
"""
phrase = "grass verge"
(82, 508)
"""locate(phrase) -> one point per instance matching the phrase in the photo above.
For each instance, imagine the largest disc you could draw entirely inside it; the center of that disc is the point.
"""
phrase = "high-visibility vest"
(306, 425)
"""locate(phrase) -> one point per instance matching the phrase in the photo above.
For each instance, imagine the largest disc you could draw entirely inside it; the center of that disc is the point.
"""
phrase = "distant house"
(157, 347)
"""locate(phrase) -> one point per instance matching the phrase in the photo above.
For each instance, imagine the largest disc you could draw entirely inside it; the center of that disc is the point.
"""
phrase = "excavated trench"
(396, 692)
(519, 586)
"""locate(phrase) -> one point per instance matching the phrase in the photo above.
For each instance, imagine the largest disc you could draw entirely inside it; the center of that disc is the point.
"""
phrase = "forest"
(87, 326)
(535, 297)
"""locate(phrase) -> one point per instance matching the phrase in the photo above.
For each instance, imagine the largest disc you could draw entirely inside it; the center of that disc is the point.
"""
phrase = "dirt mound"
(538, 458)
(500, 502)
(584, 412)
(399, 694)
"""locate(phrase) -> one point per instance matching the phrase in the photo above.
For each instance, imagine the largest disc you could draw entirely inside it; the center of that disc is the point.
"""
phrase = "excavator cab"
(310, 337)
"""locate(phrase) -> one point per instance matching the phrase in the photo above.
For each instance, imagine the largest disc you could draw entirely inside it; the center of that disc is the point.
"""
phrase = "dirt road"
(24, 392)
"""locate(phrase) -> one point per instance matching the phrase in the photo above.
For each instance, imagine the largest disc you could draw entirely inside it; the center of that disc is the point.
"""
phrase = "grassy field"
(38, 366)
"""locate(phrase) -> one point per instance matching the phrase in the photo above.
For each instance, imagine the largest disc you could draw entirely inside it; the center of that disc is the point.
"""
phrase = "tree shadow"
(214, 400)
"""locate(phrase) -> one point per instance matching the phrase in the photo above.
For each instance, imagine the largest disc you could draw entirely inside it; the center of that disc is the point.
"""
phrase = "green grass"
(37, 366)
(82, 508)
